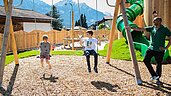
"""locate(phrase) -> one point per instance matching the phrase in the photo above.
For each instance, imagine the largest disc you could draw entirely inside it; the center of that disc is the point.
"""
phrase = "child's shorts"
(47, 57)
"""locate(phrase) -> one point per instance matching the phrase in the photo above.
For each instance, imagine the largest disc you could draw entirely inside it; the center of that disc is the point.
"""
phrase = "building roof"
(105, 18)
(25, 15)
(108, 17)
(78, 28)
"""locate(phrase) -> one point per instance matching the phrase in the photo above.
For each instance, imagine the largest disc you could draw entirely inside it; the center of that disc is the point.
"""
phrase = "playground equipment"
(131, 45)
(140, 42)
(133, 38)
(8, 28)
(5, 39)
(129, 38)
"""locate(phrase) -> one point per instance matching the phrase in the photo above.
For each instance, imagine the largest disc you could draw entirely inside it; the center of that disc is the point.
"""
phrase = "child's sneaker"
(51, 76)
(95, 69)
(43, 75)
(154, 78)
(158, 82)
(89, 70)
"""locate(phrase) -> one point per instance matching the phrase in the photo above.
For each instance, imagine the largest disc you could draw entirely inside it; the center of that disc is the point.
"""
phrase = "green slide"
(140, 42)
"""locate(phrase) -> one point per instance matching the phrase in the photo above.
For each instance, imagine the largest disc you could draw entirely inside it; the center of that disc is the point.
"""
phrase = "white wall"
(28, 27)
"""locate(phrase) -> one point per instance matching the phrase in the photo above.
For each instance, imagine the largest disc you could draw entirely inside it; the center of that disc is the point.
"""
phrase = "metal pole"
(109, 4)
(112, 32)
(80, 18)
(51, 15)
(72, 34)
(131, 45)
(5, 39)
(70, 19)
(72, 29)
(96, 11)
(35, 17)
(96, 16)
(79, 12)
(18, 4)
(97, 34)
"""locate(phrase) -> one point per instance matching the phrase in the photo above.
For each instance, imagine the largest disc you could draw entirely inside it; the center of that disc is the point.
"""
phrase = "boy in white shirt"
(90, 45)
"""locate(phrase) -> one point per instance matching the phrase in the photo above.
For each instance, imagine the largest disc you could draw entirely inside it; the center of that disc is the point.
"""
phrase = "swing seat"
(85, 54)
(39, 56)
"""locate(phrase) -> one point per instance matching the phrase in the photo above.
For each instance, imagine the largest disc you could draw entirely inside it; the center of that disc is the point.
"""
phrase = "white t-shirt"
(90, 43)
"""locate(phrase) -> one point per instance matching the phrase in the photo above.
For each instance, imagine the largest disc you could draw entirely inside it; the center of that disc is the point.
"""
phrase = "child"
(90, 45)
(155, 14)
(53, 47)
(45, 51)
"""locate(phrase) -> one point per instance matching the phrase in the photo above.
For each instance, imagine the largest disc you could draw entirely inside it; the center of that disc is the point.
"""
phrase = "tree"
(82, 21)
(57, 21)
(101, 26)
(76, 23)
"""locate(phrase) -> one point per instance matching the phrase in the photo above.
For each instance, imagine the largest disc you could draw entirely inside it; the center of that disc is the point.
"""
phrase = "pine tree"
(85, 21)
(57, 21)
(82, 21)
(76, 23)
(79, 22)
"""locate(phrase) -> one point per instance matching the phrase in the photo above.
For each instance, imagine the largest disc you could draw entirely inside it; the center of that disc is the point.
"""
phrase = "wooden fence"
(29, 40)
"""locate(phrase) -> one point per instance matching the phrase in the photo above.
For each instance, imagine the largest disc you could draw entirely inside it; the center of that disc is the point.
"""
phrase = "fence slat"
(29, 40)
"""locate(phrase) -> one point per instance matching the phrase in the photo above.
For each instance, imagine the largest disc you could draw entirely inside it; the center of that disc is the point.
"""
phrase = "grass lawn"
(10, 58)
(120, 51)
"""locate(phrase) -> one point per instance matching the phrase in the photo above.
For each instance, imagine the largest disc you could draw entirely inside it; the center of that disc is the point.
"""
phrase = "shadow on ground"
(11, 83)
(164, 87)
(100, 85)
(121, 70)
(51, 78)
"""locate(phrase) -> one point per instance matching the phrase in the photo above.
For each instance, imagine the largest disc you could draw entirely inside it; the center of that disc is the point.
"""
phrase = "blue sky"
(101, 4)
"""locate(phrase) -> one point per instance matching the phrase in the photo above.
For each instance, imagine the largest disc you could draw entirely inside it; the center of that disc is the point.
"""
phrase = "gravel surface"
(71, 78)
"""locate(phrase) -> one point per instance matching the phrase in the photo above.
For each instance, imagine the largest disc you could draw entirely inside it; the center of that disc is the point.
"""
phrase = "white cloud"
(101, 4)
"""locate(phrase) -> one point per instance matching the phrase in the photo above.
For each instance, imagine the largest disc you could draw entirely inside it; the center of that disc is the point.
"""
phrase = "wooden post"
(72, 35)
(112, 32)
(119, 33)
(84, 33)
(14, 47)
(5, 39)
(166, 12)
(131, 45)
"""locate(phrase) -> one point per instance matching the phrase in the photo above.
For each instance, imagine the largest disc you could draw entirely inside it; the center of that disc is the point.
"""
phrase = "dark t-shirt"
(45, 48)
(157, 37)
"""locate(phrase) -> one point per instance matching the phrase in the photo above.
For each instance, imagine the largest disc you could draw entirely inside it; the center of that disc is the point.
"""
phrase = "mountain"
(64, 10)
(38, 5)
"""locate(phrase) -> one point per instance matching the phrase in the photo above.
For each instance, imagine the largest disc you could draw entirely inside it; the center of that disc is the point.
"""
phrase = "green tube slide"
(140, 42)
